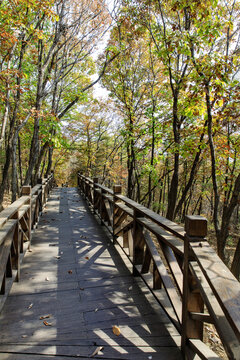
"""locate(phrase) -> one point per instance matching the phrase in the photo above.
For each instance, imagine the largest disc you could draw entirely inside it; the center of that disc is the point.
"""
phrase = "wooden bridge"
(105, 278)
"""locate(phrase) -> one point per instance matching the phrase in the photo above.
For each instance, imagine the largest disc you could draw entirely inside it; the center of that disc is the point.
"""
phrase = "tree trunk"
(235, 268)
(20, 161)
(172, 195)
(222, 234)
(14, 168)
(39, 161)
(5, 173)
(49, 166)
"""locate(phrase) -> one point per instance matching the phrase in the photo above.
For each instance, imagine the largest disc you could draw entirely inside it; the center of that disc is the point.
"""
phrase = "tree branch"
(69, 106)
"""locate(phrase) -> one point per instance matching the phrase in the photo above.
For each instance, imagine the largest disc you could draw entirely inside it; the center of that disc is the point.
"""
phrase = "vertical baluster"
(95, 194)
(117, 190)
(196, 230)
(138, 242)
(102, 207)
(26, 191)
(17, 245)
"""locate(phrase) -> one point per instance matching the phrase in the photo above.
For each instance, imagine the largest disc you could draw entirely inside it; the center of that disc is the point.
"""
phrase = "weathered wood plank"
(75, 275)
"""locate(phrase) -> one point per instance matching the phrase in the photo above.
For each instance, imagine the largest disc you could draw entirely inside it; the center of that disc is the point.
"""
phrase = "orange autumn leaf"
(47, 323)
(116, 330)
(45, 317)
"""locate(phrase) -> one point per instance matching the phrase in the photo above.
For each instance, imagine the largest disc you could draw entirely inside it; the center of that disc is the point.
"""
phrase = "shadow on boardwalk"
(75, 275)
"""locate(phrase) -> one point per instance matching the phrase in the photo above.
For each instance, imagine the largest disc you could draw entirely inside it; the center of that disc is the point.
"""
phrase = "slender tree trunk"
(14, 168)
(235, 268)
(39, 161)
(172, 195)
(152, 158)
(7, 104)
(191, 177)
(223, 233)
(4, 182)
(34, 150)
(20, 161)
(50, 155)
(11, 128)
(131, 160)
(43, 165)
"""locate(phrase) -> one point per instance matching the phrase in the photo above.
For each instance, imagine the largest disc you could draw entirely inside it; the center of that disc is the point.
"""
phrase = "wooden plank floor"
(75, 275)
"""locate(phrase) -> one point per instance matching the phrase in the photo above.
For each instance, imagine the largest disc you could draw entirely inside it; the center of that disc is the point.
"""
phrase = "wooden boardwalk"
(75, 275)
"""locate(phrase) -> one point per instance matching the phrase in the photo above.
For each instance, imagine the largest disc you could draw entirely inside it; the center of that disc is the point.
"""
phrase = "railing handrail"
(17, 222)
(198, 276)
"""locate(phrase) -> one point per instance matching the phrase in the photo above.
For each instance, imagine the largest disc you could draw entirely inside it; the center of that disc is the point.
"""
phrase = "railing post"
(26, 191)
(87, 190)
(40, 198)
(195, 231)
(102, 206)
(138, 242)
(45, 189)
(117, 190)
(16, 241)
(95, 194)
(81, 183)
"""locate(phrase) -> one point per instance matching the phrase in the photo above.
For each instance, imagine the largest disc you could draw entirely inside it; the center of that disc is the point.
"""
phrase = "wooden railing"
(184, 273)
(16, 224)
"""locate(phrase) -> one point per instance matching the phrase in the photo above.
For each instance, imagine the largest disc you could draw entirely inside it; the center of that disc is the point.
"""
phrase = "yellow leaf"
(116, 330)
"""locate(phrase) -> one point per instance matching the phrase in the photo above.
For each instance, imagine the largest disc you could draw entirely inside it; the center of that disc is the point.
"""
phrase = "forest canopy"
(168, 130)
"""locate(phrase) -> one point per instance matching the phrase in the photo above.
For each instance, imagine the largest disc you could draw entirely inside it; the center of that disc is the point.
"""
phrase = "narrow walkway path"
(74, 288)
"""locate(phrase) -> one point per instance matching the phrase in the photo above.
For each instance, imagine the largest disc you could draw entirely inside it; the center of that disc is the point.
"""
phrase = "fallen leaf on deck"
(45, 317)
(86, 257)
(116, 330)
(70, 271)
(47, 323)
(47, 279)
(30, 306)
(99, 348)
